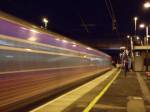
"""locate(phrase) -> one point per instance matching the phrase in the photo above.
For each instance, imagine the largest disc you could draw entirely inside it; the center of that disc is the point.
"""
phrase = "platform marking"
(74, 93)
(96, 99)
(104, 106)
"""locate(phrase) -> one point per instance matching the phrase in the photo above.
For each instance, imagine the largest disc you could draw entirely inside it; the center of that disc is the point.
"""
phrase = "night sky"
(67, 16)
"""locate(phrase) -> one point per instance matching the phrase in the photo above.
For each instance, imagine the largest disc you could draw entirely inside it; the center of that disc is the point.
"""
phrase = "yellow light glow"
(32, 39)
(45, 20)
(84, 56)
(147, 5)
(135, 18)
(28, 49)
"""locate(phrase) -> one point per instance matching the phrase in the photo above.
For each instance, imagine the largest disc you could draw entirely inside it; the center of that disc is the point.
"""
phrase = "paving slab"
(117, 97)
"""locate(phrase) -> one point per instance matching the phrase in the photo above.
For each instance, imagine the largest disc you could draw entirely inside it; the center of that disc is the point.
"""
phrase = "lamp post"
(147, 29)
(45, 20)
(135, 24)
(147, 36)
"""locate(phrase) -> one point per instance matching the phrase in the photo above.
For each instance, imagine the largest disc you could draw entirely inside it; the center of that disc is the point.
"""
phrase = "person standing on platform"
(129, 64)
(125, 62)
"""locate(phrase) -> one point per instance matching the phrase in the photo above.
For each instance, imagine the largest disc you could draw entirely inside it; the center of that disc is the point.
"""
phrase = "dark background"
(68, 17)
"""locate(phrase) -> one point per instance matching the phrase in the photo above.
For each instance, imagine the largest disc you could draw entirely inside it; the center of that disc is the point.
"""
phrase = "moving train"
(35, 62)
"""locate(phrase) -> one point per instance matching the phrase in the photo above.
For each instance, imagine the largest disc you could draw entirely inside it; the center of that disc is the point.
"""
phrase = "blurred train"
(34, 61)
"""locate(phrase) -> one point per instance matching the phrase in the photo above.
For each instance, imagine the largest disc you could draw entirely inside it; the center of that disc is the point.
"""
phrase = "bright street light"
(142, 25)
(135, 23)
(128, 36)
(147, 35)
(45, 20)
(147, 5)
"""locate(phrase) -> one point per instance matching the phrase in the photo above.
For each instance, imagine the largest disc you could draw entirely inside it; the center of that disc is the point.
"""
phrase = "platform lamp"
(146, 5)
(135, 24)
(45, 20)
(147, 36)
(147, 29)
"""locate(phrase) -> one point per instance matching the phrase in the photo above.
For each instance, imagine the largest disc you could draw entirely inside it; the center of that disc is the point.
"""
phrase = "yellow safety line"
(95, 100)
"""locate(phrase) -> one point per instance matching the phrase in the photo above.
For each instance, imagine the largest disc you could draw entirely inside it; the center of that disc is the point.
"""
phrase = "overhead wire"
(112, 14)
(109, 11)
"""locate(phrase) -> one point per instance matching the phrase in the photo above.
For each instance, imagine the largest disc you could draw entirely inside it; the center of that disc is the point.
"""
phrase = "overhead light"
(128, 36)
(135, 18)
(142, 25)
(147, 5)
(45, 20)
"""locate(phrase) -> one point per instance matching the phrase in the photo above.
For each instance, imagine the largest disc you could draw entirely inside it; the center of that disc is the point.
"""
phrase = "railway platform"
(111, 92)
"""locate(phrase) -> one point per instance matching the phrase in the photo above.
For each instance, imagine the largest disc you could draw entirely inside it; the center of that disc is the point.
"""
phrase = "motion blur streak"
(35, 64)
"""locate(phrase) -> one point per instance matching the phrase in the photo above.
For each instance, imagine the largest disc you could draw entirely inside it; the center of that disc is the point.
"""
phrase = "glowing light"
(57, 39)
(24, 28)
(32, 39)
(147, 5)
(64, 41)
(88, 48)
(138, 38)
(74, 45)
(28, 49)
(128, 36)
(45, 20)
(142, 25)
(32, 30)
(135, 18)
(84, 56)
